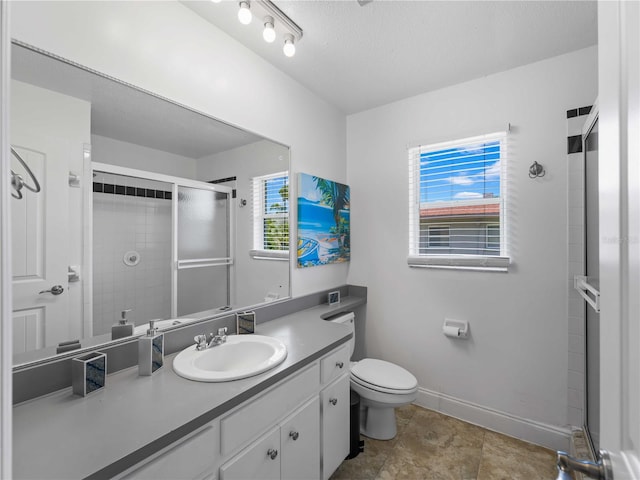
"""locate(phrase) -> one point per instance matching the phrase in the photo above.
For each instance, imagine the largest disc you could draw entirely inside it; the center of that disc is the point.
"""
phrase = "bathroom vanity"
(289, 422)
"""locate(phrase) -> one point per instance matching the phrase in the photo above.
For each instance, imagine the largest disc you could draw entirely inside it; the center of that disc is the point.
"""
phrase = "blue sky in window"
(272, 193)
(463, 173)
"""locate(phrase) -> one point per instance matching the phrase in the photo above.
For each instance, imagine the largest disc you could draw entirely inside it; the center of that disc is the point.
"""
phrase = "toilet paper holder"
(455, 328)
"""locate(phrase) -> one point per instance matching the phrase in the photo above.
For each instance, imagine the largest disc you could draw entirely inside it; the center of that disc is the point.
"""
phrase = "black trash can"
(355, 444)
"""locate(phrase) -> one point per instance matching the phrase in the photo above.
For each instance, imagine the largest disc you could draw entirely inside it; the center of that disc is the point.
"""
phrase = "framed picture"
(323, 221)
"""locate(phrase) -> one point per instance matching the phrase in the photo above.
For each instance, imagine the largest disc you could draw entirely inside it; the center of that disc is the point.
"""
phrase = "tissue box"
(88, 373)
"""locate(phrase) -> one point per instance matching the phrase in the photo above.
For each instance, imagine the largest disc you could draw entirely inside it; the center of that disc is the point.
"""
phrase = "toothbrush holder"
(88, 373)
(245, 322)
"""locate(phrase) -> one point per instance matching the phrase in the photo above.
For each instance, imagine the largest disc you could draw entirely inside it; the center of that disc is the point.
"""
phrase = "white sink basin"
(239, 357)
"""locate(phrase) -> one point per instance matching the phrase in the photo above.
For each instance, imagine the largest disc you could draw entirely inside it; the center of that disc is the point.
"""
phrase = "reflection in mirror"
(145, 206)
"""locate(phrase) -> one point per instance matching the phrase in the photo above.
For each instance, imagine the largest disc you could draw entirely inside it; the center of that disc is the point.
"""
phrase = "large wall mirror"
(145, 207)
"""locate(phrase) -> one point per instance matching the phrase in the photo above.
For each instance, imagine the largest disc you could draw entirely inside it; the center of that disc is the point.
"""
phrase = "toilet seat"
(383, 376)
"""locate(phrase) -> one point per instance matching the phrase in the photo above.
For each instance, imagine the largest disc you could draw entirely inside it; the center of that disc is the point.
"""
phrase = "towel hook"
(536, 170)
(17, 181)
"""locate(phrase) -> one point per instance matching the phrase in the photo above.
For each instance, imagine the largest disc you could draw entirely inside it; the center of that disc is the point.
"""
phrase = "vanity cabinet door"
(335, 425)
(300, 443)
(192, 458)
(260, 460)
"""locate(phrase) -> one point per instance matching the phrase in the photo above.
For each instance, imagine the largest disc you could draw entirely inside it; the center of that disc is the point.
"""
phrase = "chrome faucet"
(219, 339)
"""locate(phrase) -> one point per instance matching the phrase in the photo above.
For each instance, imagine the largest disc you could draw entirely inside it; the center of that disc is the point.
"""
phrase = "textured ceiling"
(359, 57)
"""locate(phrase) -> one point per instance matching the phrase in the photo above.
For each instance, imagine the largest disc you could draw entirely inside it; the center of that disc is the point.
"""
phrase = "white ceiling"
(359, 57)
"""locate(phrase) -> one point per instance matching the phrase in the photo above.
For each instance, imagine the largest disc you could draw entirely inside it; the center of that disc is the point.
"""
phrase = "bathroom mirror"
(145, 205)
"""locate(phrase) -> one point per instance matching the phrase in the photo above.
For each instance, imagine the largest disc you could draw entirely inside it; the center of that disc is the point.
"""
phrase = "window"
(437, 236)
(493, 237)
(271, 216)
(457, 204)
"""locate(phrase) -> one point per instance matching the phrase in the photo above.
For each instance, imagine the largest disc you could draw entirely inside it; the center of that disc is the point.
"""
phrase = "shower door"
(203, 248)
(592, 272)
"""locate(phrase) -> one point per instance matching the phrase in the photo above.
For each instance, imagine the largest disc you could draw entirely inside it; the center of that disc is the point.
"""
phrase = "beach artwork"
(323, 221)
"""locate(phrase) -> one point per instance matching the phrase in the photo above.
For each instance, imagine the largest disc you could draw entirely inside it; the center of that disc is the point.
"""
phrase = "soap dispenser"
(150, 351)
(123, 328)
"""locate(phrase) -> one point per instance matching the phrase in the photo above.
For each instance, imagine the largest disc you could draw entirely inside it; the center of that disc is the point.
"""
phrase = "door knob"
(272, 453)
(55, 290)
(333, 401)
(294, 435)
(602, 470)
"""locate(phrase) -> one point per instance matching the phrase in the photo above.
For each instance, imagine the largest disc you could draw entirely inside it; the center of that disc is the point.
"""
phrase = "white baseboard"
(555, 438)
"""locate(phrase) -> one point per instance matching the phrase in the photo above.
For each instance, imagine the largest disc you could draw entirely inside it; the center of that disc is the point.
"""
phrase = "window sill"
(278, 255)
(461, 262)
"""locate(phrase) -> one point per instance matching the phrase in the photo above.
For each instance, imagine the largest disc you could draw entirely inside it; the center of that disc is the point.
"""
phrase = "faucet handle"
(201, 341)
(222, 331)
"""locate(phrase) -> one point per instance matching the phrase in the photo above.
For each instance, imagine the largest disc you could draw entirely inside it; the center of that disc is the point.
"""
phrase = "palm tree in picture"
(336, 196)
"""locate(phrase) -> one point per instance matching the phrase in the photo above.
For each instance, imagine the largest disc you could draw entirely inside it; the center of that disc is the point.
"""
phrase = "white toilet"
(382, 387)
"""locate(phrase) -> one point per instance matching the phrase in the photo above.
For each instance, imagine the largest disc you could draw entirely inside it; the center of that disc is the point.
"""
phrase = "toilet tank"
(348, 319)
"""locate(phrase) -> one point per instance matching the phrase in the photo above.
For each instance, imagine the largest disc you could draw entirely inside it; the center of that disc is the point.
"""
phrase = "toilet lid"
(383, 374)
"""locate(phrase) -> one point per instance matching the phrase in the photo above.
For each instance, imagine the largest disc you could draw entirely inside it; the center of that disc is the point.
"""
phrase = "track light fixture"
(275, 22)
(269, 33)
(289, 47)
(244, 14)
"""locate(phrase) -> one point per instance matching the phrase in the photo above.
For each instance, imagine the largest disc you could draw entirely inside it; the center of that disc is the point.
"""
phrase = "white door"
(39, 260)
(619, 192)
(50, 132)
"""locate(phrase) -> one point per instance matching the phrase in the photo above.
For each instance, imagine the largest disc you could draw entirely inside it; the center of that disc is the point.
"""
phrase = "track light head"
(289, 47)
(244, 14)
(269, 33)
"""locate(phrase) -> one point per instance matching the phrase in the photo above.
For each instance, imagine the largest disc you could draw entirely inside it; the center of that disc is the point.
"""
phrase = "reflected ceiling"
(159, 125)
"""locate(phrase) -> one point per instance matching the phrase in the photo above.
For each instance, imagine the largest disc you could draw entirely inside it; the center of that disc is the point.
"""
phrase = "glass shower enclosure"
(162, 246)
(592, 272)
(203, 249)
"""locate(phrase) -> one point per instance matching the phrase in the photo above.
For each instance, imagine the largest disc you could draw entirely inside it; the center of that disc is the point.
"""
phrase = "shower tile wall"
(576, 253)
(123, 223)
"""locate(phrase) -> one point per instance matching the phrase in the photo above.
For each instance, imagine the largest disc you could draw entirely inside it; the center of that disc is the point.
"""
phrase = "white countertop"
(63, 436)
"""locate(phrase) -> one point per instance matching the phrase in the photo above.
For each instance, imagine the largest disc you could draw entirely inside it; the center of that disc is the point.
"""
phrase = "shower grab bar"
(17, 182)
(584, 289)
(204, 262)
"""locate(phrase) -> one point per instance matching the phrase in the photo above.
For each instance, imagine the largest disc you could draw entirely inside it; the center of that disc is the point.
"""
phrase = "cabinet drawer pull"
(272, 453)
(294, 435)
(333, 401)
(339, 364)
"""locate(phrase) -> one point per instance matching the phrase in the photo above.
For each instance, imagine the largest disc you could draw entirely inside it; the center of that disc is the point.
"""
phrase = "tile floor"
(432, 446)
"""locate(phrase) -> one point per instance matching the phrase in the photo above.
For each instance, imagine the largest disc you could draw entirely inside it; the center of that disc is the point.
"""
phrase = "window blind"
(270, 211)
(457, 194)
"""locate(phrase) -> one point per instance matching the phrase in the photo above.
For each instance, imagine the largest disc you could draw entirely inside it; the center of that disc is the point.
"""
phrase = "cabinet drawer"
(192, 458)
(335, 364)
(261, 460)
(254, 418)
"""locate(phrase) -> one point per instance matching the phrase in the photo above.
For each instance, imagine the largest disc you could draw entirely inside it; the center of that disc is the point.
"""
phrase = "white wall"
(254, 278)
(516, 359)
(166, 48)
(131, 155)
